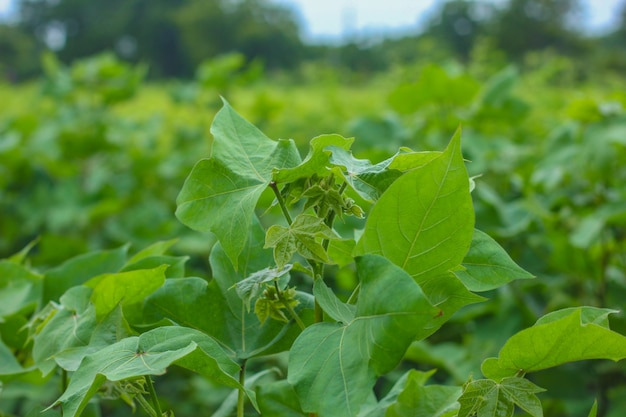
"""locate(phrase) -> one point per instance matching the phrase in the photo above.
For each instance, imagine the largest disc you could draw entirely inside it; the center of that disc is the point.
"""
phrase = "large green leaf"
(578, 335)
(278, 399)
(487, 398)
(333, 366)
(220, 193)
(488, 266)
(424, 221)
(316, 162)
(148, 354)
(216, 309)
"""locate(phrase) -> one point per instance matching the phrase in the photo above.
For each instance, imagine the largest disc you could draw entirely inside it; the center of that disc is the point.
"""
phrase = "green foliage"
(103, 323)
(364, 230)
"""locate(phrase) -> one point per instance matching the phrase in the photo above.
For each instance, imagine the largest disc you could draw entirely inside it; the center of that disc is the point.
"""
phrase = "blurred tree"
(18, 53)
(529, 25)
(459, 24)
(173, 36)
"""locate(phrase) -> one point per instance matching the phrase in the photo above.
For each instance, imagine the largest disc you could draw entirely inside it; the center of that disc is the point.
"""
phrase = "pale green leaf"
(488, 266)
(333, 366)
(20, 288)
(125, 288)
(562, 339)
(594, 409)
(252, 286)
(221, 193)
(148, 354)
(156, 249)
(316, 161)
(303, 236)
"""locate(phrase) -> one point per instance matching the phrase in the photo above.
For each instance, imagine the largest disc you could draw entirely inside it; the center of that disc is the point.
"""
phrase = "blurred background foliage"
(105, 106)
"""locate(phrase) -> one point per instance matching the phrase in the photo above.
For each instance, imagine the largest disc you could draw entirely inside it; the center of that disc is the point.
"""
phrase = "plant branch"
(290, 309)
(241, 394)
(281, 202)
(153, 396)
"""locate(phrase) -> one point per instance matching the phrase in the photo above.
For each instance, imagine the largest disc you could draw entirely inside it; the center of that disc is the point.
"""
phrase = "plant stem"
(281, 202)
(153, 396)
(241, 394)
(290, 309)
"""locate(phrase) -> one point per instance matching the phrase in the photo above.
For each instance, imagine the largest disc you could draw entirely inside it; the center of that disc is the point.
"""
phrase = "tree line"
(175, 36)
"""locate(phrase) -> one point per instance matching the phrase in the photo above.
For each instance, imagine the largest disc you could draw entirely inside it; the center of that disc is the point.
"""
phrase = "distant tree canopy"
(175, 36)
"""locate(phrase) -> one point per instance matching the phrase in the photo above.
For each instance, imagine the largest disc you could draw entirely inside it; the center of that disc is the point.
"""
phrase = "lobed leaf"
(220, 193)
(562, 338)
(148, 354)
(333, 366)
(487, 398)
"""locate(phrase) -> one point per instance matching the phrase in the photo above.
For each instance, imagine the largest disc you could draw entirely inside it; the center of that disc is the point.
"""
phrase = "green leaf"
(558, 340)
(9, 365)
(156, 249)
(278, 399)
(369, 181)
(448, 294)
(252, 286)
(220, 193)
(20, 288)
(125, 288)
(331, 305)
(488, 266)
(316, 161)
(302, 236)
(594, 409)
(424, 221)
(333, 366)
(487, 398)
(148, 354)
(407, 160)
(416, 399)
(80, 269)
(340, 251)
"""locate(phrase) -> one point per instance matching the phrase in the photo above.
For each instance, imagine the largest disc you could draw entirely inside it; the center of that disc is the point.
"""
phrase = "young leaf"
(487, 398)
(562, 339)
(148, 354)
(220, 193)
(488, 266)
(301, 236)
(424, 221)
(252, 286)
(368, 180)
(316, 161)
(333, 366)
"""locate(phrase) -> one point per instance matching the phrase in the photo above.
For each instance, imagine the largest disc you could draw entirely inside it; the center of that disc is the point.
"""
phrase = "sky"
(334, 20)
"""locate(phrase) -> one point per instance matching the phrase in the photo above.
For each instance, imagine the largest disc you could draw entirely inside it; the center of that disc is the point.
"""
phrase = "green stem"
(241, 396)
(281, 202)
(153, 396)
(290, 309)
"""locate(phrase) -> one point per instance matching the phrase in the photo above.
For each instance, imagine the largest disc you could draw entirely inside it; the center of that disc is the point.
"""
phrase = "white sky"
(335, 19)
